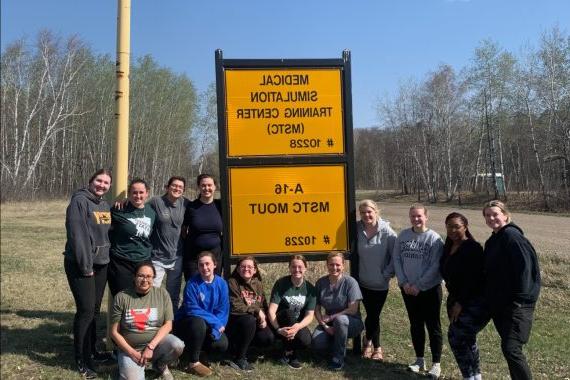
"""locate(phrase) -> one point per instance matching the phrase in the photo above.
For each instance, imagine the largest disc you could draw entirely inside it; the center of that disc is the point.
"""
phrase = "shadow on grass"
(50, 342)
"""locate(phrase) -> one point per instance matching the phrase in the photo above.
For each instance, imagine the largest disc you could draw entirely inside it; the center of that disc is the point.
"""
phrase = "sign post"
(286, 159)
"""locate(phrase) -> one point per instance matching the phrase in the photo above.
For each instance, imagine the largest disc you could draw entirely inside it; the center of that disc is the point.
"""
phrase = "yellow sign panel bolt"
(288, 209)
(284, 112)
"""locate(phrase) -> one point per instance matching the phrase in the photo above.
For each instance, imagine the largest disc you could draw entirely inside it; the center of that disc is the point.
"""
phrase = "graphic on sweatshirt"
(250, 297)
(143, 226)
(145, 319)
(102, 217)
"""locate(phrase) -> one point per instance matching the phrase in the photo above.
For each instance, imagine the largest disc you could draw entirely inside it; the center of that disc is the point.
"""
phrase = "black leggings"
(121, 274)
(424, 309)
(88, 293)
(197, 336)
(286, 318)
(373, 301)
(243, 331)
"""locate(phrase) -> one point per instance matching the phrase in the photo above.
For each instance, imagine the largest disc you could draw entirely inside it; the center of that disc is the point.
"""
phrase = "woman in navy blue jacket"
(512, 285)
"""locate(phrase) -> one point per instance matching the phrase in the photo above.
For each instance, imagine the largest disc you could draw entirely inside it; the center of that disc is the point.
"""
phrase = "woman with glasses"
(203, 222)
(141, 321)
(166, 239)
(337, 311)
(130, 232)
(202, 317)
(248, 322)
(87, 223)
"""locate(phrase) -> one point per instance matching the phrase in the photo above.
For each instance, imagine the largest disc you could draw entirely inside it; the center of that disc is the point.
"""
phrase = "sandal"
(367, 353)
(377, 354)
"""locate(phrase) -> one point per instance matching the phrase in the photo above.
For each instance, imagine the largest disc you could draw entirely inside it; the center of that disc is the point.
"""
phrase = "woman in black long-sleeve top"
(461, 267)
(512, 285)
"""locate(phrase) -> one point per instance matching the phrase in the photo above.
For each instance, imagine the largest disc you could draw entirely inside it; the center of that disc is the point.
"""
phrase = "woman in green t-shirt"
(141, 321)
(292, 309)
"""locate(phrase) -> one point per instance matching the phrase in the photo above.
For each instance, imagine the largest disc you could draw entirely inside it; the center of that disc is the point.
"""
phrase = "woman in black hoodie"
(512, 285)
(87, 223)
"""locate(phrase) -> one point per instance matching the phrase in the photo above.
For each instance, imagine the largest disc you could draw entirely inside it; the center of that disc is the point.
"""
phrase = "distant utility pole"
(491, 142)
(121, 164)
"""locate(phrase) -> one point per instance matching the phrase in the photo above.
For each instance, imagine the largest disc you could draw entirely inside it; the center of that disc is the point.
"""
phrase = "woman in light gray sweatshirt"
(416, 262)
(375, 242)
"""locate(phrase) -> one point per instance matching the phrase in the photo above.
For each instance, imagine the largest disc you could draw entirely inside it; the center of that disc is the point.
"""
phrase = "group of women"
(134, 244)
(500, 282)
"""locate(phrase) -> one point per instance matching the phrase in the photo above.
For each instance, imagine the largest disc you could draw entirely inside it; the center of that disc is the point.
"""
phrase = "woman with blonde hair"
(337, 311)
(373, 259)
(512, 285)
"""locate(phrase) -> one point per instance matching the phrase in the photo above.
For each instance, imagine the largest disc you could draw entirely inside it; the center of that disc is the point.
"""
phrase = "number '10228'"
(300, 240)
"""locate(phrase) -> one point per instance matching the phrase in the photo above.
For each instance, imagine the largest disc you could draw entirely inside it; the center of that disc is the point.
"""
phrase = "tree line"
(58, 118)
(501, 123)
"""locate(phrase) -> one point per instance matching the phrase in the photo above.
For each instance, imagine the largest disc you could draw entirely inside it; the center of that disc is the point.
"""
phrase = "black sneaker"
(294, 362)
(85, 371)
(241, 364)
(335, 366)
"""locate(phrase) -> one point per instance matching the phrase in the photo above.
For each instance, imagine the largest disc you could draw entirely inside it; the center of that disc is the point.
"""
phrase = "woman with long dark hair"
(461, 267)
(203, 221)
(87, 223)
(248, 321)
(130, 232)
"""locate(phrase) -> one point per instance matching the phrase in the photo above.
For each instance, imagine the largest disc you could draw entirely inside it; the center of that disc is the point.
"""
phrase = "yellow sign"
(288, 209)
(284, 112)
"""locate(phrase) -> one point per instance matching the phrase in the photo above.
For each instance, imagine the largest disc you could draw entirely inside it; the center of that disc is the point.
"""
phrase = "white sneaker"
(435, 371)
(417, 366)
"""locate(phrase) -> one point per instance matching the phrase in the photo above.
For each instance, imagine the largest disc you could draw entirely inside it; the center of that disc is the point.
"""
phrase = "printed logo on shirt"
(202, 296)
(413, 249)
(296, 303)
(143, 226)
(250, 298)
(142, 319)
(102, 217)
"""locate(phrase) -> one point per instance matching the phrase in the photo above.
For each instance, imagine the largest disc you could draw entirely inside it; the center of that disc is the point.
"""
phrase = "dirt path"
(549, 234)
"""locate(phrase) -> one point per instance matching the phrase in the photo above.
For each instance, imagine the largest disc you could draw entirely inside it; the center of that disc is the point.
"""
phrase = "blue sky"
(389, 41)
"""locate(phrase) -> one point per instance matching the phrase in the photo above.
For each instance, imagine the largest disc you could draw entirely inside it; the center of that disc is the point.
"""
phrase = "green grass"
(36, 315)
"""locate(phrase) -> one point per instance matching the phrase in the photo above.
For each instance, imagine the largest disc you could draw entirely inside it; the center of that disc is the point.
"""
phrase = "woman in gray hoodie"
(87, 223)
(375, 242)
(417, 254)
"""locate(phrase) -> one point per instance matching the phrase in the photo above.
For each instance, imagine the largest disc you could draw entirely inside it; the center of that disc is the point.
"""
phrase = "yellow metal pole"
(121, 164)
(122, 99)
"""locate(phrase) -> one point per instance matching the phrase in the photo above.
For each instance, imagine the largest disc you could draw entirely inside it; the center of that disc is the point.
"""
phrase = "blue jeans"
(345, 326)
(173, 280)
(166, 352)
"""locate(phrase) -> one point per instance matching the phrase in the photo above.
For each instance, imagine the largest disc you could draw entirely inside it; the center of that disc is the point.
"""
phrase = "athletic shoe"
(241, 364)
(165, 374)
(435, 371)
(85, 371)
(417, 366)
(199, 370)
(335, 366)
(291, 360)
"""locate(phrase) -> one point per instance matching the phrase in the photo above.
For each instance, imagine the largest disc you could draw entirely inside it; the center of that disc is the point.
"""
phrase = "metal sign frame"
(226, 162)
